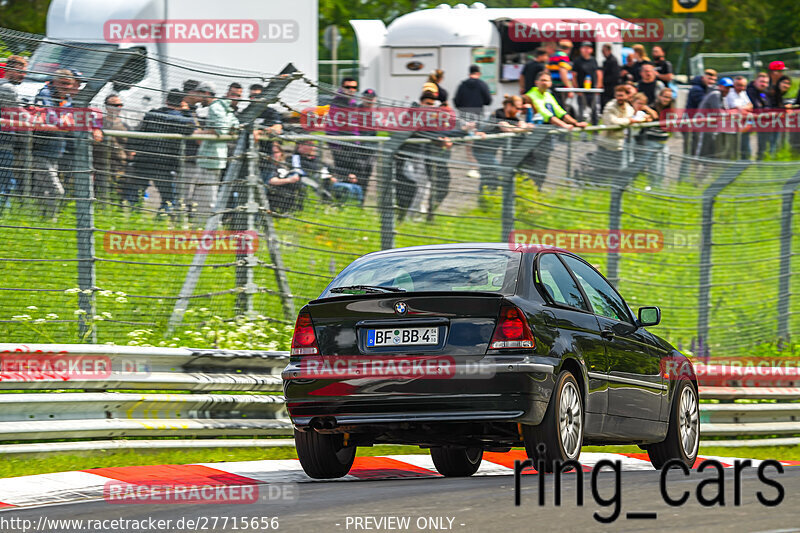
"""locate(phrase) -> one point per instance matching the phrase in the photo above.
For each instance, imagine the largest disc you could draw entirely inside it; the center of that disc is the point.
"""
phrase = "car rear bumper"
(511, 389)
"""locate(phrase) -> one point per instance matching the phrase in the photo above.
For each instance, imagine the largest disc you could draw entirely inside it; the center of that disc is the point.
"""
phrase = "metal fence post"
(27, 173)
(254, 110)
(84, 194)
(386, 186)
(84, 223)
(784, 280)
(619, 184)
(704, 283)
(514, 159)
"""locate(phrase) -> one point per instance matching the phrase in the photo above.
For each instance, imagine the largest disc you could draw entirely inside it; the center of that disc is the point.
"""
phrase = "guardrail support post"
(785, 278)
(704, 288)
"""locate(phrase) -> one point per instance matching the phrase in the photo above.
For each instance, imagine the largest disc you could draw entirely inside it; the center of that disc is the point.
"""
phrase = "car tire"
(683, 435)
(456, 461)
(561, 429)
(323, 456)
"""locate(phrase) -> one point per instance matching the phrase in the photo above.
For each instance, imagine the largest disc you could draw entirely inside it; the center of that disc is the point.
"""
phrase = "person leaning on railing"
(546, 105)
(610, 143)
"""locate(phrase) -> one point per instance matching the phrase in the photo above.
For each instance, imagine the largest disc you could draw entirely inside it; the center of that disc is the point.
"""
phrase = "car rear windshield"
(439, 270)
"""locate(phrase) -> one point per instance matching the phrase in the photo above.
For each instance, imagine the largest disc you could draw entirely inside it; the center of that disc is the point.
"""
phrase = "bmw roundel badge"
(400, 308)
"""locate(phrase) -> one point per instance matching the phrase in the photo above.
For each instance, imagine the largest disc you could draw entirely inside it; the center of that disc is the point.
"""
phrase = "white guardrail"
(63, 391)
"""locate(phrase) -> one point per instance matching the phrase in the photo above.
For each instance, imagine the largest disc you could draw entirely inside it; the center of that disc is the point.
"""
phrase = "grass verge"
(29, 465)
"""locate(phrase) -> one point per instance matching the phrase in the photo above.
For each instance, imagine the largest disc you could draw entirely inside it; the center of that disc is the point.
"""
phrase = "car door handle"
(607, 333)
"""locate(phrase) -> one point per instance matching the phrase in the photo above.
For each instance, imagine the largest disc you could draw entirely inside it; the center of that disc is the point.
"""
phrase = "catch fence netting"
(103, 225)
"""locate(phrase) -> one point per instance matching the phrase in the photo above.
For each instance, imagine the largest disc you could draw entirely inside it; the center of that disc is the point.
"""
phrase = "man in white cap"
(212, 156)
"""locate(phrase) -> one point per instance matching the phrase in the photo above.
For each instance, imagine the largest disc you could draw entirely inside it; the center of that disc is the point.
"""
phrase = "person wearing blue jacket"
(700, 86)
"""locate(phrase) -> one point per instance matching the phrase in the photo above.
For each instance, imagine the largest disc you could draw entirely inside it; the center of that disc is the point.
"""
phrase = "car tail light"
(304, 341)
(512, 330)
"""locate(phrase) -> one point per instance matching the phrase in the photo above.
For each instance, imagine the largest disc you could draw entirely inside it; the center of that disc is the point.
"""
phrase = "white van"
(396, 61)
(284, 32)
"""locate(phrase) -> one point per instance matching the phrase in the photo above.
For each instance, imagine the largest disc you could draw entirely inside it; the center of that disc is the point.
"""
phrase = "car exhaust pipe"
(327, 422)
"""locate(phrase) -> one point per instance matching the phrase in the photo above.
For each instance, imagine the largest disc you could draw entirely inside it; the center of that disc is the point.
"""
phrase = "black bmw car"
(463, 348)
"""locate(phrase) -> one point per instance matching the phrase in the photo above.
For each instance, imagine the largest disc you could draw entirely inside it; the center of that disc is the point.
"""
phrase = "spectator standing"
(738, 99)
(639, 59)
(587, 70)
(776, 98)
(560, 68)
(610, 143)
(212, 156)
(776, 69)
(345, 162)
(49, 146)
(527, 78)
(234, 95)
(664, 70)
(700, 86)
(159, 160)
(611, 75)
(16, 69)
(473, 93)
(757, 92)
(656, 137)
(109, 155)
(191, 100)
(434, 85)
(715, 144)
(649, 84)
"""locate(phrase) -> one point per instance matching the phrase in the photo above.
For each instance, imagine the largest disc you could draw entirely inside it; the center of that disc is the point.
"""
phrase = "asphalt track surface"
(477, 504)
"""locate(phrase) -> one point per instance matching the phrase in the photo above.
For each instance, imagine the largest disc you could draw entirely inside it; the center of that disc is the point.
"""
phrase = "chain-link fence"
(167, 214)
(746, 63)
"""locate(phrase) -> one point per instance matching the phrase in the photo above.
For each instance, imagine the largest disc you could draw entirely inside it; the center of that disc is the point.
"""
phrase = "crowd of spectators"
(561, 86)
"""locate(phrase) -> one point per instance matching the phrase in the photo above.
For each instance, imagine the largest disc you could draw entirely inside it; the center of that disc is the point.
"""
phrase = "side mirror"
(649, 316)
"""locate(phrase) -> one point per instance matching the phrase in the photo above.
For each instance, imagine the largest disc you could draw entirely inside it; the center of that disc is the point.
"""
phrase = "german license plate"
(402, 337)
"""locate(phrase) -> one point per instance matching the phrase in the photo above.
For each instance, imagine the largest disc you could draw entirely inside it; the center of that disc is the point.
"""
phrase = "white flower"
(39, 321)
(72, 291)
(121, 299)
(106, 314)
(106, 293)
(86, 291)
(120, 293)
(97, 317)
(23, 318)
(80, 312)
(32, 307)
(52, 316)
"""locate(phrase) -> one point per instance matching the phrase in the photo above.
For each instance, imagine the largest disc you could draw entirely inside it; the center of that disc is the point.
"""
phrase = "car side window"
(560, 286)
(604, 299)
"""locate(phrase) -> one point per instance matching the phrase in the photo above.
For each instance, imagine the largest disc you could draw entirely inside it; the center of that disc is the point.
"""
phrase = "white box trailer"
(287, 32)
(396, 60)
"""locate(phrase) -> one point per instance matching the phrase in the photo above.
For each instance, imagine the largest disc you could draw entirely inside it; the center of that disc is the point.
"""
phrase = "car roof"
(529, 248)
